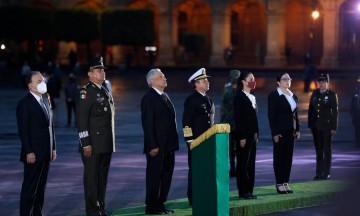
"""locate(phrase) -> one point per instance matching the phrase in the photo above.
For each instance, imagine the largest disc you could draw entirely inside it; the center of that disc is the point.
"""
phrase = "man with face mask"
(198, 115)
(95, 121)
(36, 132)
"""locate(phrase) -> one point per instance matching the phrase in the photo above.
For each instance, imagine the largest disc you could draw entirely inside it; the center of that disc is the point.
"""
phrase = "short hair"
(29, 76)
(150, 75)
(278, 78)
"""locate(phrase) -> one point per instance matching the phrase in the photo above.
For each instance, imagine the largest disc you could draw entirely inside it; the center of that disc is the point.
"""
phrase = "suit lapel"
(37, 106)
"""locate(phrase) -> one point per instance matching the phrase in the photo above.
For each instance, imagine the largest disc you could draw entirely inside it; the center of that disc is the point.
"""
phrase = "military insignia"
(187, 132)
(83, 94)
(83, 134)
(100, 99)
(98, 94)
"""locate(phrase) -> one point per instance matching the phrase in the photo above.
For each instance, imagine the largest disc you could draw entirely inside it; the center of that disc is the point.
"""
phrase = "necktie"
(165, 98)
(43, 106)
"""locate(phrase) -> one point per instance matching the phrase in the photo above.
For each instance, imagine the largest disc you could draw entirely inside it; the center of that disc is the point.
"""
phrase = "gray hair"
(150, 75)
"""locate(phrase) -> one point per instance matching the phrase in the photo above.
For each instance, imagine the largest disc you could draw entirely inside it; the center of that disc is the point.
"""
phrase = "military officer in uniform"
(227, 115)
(355, 111)
(323, 121)
(198, 115)
(95, 122)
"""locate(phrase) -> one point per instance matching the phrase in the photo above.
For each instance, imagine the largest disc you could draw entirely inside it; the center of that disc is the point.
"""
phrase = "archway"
(349, 33)
(194, 31)
(304, 34)
(247, 32)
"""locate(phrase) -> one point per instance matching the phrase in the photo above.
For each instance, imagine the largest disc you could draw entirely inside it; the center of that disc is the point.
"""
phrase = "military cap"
(324, 77)
(234, 75)
(97, 63)
(199, 74)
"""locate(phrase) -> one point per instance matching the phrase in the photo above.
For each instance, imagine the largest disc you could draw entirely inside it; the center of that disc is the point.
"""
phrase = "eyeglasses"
(286, 79)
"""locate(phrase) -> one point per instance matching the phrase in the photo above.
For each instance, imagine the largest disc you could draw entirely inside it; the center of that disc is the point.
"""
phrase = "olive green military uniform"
(322, 118)
(95, 122)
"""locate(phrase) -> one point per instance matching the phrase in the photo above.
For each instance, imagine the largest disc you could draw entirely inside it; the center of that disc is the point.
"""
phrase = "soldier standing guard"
(323, 121)
(355, 111)
(227, 115)
(198, 115)
(95, 121)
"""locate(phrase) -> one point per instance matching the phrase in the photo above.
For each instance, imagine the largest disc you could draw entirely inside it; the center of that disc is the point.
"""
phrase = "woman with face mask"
(246, 133)
(284, 124)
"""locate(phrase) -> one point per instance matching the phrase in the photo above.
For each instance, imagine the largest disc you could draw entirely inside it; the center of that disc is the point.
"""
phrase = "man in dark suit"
(198, 116)
(323, 119)
(160, 142)
(36, 131)
(95, 121)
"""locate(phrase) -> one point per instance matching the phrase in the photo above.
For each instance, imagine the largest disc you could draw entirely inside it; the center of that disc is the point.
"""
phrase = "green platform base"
(305, 194)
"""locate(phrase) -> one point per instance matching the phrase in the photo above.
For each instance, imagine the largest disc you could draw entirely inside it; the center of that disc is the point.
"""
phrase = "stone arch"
(247, 31)
(89, 3)
(194, 16)
(302, 33)
(349, 33)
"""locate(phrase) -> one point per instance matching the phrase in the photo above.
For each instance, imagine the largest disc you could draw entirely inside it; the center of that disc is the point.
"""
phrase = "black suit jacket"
(245, 115)
(159, 123)
(36, 131)
(198, 115)
(280, 115)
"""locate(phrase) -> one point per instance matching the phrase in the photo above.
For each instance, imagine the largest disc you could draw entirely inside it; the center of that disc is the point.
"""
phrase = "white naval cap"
(200, 74)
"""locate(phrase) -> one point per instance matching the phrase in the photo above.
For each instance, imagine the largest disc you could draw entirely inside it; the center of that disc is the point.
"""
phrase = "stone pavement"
(126, 185)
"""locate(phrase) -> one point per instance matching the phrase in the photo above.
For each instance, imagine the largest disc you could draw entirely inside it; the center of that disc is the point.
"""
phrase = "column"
(220, 39)
(165, 49)
(330, 40)
(275, 40)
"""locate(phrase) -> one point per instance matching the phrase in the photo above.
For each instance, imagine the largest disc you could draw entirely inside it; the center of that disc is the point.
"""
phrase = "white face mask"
(41, 87)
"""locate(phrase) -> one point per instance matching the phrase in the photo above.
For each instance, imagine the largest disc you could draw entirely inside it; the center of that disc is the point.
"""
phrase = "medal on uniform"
(105, 109)
(98, 95)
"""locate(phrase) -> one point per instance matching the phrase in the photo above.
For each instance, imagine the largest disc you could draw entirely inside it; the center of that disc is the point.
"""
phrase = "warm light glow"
(315, 14)
(2, 46)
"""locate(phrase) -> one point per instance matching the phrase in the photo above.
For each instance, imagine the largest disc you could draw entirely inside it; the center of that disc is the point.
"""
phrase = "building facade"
(273, 33)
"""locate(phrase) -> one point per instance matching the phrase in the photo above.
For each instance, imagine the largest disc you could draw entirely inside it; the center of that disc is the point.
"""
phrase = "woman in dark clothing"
(246, 133)
(284, 124)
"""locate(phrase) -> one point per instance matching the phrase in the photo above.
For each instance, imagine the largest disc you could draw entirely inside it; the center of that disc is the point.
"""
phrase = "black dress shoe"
(325, 177)
(169, 211)
(247, 196)
(253, 196)
(155, 212)
(317, 178)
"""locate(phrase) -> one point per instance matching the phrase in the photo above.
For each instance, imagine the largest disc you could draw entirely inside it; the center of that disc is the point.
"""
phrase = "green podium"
(210, 172)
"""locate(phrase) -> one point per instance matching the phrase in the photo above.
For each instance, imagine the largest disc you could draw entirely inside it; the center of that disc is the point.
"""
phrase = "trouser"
(96, 170)
(33, 188)
(232, 150)
(159, 171)
(70, 105)
(357, 135)
(323, 142)
(189, 188)
(283, 155)
(245, 168)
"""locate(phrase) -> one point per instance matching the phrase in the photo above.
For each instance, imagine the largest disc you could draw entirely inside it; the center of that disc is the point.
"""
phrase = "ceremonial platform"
(305, 194)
